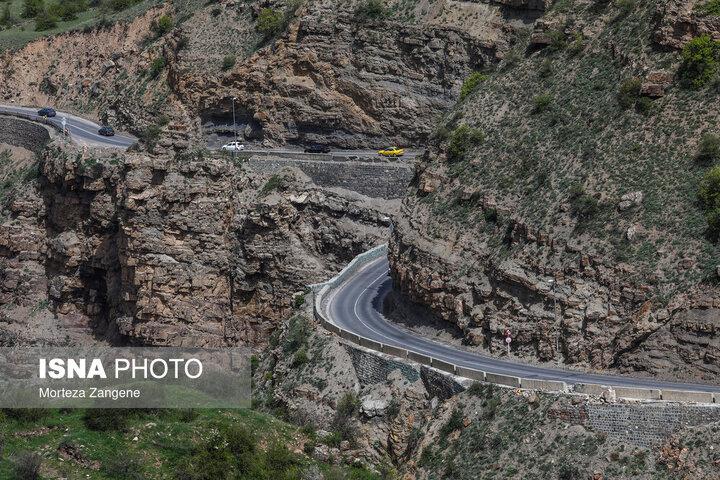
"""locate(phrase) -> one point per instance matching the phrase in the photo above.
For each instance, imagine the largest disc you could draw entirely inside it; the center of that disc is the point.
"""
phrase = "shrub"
(163, 25)
(297, 334)
(67, 10)
(118, 5)
(709, 149)
(541, 103)
(228, 62)
(106, 419)
(629, 92)
(123, 467)
(455, 422)
(471, 83)
(342, 424)
(45, 21)
(270, 22)
(461, 140)
(301, 357)
(585, 206)
(558, 41)
(26, 466)
(700, 59)
(240, 440)
(625, 6)
(31, 8)
(157, 66)
(371, 10)
(709, 190)
(150, 136)
(7, 19)
(711, 7)
(26, 415)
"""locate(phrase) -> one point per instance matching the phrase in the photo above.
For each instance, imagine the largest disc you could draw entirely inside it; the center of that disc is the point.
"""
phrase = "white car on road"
(233, 147)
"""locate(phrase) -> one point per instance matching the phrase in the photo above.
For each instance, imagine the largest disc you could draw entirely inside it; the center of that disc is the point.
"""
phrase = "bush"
(150, 136)
(123, 467)
(6, 18)
(301, 357)
(711, 7)
(228, 62)
(31, 8)
(709, 197)
(709, 149)
(471, 83)
(625, 6)
(68, 9)
(270, 22)
(461, 140)
(629, 92)
(157, 66)
(26, 466)
(119, 5)
(297, 334)
(106, 419)
(342, 424)
(371, 10)
(163, 25)
(455, 422)
(541, 103)
(700, 59)
(45, 21)
(582, 204)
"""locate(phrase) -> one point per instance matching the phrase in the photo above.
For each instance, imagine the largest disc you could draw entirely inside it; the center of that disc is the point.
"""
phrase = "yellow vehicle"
(392, 152)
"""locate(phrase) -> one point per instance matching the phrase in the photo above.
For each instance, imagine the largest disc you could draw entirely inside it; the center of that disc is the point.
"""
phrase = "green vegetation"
(22, 21)
(709, 149)
(629, 93)
(150, 136)
(462, 139)
(711, 7)
(228, 62)
(700, 60)
(156, 444)
(343, 426)
(156, 67)
(276, 182)
(163, 25)
(542, 103)
(270, 22)
(471, 83)
(371, 10)
(709, 196)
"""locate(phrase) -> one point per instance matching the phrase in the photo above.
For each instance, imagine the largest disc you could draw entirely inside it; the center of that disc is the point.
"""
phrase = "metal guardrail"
(609, 392)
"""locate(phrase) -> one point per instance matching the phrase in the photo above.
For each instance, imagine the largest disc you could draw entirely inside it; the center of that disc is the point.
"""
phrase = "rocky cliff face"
(333, 76)
(566, 217)
(158, 251)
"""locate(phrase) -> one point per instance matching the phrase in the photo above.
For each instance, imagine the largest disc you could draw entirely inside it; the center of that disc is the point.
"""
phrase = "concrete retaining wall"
(694, 397)
(502, 379)
(543, 385)
(637, 393)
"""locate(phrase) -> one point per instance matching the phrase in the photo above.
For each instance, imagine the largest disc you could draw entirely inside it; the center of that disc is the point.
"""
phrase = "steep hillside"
(352, 74)
(559, 199)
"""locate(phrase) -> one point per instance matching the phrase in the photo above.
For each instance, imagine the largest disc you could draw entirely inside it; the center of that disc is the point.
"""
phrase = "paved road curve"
(81, 130)
(355, 306)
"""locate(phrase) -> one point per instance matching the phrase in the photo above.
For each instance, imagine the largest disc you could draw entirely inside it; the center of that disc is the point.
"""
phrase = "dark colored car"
(317, 148)
(106, 131)
(46, 112)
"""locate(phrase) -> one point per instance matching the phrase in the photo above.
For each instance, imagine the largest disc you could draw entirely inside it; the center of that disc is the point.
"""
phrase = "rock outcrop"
(183, 251)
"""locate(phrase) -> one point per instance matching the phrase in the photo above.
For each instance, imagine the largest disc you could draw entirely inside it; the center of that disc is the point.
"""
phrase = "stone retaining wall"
(23, 133)
(372, 179)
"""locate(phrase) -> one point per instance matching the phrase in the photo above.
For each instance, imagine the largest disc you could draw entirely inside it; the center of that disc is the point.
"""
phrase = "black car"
(317, 148)
(46, 112)
(106, 131)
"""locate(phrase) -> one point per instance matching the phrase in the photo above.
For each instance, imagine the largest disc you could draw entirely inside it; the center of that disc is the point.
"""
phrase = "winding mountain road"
(82, 131)
(356, 306)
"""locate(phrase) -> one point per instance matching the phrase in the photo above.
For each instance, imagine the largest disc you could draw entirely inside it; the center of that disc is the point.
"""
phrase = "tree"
(700, 58)
(45, 21)
(31, 8)
(270, 22)
(6, 19)
(709, 149)
(371, 9)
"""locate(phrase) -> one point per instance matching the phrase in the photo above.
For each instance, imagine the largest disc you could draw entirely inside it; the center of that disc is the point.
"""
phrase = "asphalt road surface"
(356, 307)
(82, 131)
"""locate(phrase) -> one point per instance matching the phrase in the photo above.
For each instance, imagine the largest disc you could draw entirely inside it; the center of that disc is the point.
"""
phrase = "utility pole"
(553, 284)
